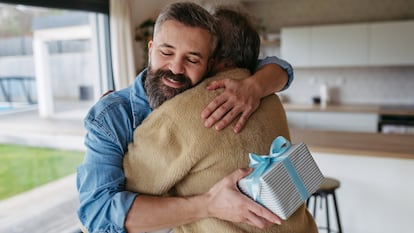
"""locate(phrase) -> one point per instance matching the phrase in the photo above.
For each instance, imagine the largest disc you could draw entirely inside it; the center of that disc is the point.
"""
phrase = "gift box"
(283, 180)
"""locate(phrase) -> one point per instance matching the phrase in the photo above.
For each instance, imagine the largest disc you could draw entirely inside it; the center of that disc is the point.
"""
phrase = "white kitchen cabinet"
(345, 45)
(334, 121)
(391, 43)
(363, 44)
(296, 119)
(296, 46)
(321, 46)
(385, 184)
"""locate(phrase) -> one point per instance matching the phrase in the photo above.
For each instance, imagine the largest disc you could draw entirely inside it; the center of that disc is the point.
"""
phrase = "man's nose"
(177, 66)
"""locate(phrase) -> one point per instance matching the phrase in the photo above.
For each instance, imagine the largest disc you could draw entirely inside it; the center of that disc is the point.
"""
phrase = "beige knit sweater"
(173, 153)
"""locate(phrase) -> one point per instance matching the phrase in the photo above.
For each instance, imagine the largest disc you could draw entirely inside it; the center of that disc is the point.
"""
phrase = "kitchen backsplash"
(354, 85)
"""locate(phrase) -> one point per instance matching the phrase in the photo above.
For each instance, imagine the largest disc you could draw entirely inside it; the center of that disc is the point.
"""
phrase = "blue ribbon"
(261, 163)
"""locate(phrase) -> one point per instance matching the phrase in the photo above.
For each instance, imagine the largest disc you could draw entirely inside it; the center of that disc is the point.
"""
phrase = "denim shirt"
(104, 202)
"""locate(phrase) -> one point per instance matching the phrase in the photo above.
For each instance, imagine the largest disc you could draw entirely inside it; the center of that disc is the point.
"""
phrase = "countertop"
(355, 143)
(376, 109)
(351, 143)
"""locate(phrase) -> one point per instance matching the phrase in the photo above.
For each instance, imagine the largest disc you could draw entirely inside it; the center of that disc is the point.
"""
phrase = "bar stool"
(327, 189)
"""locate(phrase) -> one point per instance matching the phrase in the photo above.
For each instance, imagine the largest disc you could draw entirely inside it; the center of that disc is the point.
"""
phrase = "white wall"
(375, 194)
(355, 85)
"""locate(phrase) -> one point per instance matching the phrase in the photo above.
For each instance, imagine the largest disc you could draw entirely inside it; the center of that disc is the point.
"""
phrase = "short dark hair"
(189, 14)
(239, 40)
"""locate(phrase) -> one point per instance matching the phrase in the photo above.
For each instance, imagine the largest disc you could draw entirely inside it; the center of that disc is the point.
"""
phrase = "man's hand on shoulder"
(240, 98)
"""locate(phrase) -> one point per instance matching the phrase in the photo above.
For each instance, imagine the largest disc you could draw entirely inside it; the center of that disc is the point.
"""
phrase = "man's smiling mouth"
(172, 82)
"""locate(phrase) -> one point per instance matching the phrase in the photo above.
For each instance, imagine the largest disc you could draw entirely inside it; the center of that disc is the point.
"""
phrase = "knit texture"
(173, 153)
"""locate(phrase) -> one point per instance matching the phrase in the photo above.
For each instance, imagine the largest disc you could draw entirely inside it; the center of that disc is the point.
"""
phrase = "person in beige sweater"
(174, 154)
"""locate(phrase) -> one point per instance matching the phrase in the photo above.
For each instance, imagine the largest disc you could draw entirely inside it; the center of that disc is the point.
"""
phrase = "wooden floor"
(49, 208)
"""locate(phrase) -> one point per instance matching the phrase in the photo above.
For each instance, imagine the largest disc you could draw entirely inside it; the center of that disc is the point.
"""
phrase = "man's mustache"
(175, 77)
(158, 92)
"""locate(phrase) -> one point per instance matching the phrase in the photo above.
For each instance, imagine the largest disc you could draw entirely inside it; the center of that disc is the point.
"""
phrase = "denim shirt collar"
(139, 101)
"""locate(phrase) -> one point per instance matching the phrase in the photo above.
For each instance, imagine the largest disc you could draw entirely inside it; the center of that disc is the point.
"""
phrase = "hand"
(226, 202)
(240, 97)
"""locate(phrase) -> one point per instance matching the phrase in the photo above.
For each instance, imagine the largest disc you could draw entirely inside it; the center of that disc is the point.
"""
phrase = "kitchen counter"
(377, 109)
(368, 144)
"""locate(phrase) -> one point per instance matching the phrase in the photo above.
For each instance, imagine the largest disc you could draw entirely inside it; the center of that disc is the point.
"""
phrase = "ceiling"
(285, 13)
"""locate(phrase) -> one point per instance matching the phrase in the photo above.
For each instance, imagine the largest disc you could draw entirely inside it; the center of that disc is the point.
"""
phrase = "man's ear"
(150, 43)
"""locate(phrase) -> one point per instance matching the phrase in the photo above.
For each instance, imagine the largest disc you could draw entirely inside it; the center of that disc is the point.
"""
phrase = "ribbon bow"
(261, 163)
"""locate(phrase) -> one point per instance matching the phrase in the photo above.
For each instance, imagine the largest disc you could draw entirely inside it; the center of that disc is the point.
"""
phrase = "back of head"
(239, 40)
(189, 14)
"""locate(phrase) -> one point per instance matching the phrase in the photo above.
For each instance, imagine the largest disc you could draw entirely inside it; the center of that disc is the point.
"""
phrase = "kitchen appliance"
(396, 123)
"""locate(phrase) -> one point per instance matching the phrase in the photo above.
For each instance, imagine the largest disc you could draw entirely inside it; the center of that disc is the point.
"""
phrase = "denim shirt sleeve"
(283, 64)
(104, 202)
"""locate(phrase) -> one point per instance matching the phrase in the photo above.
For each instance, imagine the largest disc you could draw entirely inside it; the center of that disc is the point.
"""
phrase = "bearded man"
(184, 42)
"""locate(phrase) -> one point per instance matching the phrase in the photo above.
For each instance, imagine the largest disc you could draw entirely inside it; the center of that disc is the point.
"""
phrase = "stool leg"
(337, 213)
(327, 213)
(314, 206)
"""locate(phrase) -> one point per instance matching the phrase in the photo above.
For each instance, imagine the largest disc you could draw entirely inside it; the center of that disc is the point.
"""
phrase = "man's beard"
(158, 92)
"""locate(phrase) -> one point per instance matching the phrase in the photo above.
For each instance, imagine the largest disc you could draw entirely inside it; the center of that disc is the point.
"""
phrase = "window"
(47, 55)
(54, 64)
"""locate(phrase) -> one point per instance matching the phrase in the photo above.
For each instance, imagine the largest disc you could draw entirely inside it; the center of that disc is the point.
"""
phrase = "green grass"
(23, 168)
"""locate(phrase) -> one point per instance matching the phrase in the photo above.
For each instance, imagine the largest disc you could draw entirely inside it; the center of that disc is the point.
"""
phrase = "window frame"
(99, 6)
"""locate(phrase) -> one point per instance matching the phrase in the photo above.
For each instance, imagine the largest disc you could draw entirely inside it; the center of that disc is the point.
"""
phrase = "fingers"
(224, 109)
(264, 215)
(215, 85)
(257, 215)
(256, 221)
(242, 121)
(228, 203)
(236, 100)
(214, 111)
(224, 115)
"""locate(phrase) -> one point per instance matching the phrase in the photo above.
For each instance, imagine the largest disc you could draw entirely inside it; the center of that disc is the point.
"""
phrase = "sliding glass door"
(54, 64)
(50, 57)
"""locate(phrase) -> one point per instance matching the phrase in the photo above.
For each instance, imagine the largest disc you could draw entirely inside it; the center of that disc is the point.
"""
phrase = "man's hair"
(189, 14)
(239, 40)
